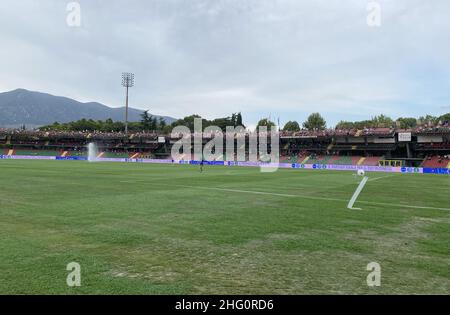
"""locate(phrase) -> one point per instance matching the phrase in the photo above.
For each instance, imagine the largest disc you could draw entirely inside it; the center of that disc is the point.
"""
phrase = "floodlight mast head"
(127, 82)
(127, 79)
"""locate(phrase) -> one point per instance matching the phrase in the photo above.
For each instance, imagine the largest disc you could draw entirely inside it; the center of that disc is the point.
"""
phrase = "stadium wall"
(387, 169)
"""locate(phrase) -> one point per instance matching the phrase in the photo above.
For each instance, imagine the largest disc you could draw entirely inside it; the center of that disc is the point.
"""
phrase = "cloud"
(212, 57)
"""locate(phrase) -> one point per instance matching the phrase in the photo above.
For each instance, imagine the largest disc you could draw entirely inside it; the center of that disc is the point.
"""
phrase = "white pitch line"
(381, 177)
(356, 194)
(298, 196)
(132, 181)
(250, 192)
(403, 205)
(256, 192)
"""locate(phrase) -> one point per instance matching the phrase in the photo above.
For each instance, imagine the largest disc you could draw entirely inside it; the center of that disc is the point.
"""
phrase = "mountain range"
(33, 109)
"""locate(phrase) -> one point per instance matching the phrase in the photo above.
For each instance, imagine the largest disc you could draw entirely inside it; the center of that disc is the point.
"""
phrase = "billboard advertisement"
(404, 137)
(332, 167)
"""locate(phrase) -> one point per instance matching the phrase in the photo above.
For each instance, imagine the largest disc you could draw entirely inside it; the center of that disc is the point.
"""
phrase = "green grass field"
(167, 229)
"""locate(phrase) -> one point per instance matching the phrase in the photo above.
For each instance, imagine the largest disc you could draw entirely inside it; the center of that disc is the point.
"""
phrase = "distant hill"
(34, 109)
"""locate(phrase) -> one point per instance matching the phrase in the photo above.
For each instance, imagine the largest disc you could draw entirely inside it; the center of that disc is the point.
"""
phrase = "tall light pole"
(127, 82)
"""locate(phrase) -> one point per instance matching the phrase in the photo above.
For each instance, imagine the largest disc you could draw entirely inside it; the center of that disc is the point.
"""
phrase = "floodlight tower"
(127, 82)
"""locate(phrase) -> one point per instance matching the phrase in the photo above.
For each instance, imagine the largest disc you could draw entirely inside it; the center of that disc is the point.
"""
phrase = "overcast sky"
(284, 58)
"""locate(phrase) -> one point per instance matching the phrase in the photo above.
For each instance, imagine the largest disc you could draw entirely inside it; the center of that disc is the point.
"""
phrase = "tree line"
(315, 121)
(383, 121)
(148, 123)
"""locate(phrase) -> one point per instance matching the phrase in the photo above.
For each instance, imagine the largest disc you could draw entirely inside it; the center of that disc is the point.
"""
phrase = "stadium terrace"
(419, 147)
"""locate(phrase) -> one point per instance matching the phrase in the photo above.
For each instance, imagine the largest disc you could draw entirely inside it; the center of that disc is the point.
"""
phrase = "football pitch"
(169, 229)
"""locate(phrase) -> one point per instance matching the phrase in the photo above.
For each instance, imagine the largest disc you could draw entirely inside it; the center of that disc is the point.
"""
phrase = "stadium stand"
(345, 160)
(321, 159)
(437, 161)
(114, 155)
(429, 146)
(37, 152)
(371, 161)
